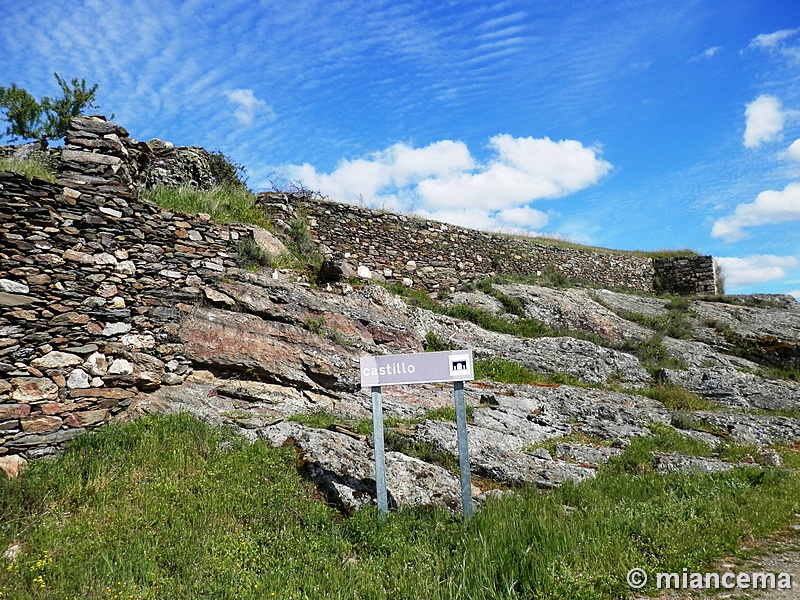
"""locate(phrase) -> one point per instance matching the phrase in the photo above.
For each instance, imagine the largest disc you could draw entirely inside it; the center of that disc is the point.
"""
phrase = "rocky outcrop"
(111, 307)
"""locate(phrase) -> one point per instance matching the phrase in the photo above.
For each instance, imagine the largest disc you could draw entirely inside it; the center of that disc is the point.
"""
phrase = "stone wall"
(93, 285)
(685, 275)
(435, 256)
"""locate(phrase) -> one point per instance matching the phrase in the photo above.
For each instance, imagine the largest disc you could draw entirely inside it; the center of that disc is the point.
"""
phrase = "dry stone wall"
(93, 285)
(440, 257)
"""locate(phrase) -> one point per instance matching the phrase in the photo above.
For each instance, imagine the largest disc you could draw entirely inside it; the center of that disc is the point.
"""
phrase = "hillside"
(112, 308)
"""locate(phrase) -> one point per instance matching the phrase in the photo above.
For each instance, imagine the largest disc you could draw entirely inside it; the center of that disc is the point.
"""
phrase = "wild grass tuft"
(30, 168)
(503, 370)
(225, 203)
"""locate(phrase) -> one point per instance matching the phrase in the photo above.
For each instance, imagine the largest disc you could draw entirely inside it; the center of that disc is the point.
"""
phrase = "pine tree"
(46, 119)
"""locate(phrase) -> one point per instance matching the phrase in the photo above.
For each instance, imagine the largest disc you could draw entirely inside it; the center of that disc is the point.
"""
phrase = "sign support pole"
(380, 455)
(463, 449)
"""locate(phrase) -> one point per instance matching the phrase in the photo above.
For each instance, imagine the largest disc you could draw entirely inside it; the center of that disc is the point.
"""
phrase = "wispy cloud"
(785, 41)
(706, 54)
(770, 41)
(764, 120)
(770, 207)
(248, 107)
(755, 269)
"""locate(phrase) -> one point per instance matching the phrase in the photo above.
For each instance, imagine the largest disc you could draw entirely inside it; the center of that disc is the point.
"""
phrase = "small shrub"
(302, 244)
(251, 254)
(226, 172)
(719, 278)
(653, 354)
(436, 343)
(676, 398)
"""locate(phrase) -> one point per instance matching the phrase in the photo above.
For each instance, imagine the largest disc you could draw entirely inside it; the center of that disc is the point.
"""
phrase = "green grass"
(225, 203)
(503, 370)
(30, 168)
(522, 327)
(675, 397)
(168, 507)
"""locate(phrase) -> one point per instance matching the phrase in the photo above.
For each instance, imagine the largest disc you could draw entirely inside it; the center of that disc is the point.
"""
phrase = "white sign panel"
(424, 367)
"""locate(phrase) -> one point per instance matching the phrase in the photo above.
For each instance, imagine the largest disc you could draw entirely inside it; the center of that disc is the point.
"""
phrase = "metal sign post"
(429, 367)
(380, 456)
(463, 448)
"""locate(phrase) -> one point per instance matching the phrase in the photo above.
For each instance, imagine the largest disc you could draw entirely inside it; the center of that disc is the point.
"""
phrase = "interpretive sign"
(426, 367)
(430, 367)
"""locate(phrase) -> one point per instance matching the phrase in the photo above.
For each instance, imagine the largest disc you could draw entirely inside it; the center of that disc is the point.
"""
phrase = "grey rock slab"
(697, 354)
(585, 454)
(478, 300)
(280, 399)
(607, 415)
(564, 310)
(501, 456)
(778, 319)
(579, 358)
(343, 467)
(13, 287)
(757, 430)
(737, 389)
(631, 303)
(682, 463)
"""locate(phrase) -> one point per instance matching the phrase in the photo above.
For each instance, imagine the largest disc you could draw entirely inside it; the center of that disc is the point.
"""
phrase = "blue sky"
(636, 125)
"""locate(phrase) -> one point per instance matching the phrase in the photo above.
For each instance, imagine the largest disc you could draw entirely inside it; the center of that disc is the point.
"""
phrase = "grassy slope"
(168, 507)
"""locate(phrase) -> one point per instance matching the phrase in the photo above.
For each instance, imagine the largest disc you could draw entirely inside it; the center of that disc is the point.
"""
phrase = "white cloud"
(523, 217)
(443, 180)
(769, 207)
(779, 41)
(794, 150)
(521, 220)
(755, 269)
(380, 175)
(706, 54)
(248, 107)
(522, 170)
(764, 120)
(769, 41)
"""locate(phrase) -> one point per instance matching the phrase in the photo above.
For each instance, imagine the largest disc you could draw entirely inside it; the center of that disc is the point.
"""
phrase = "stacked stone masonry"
(93, 284)
(439, 257)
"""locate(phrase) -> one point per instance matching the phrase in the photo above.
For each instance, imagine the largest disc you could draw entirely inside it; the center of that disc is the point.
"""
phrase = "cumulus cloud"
(794, 150)
(443, 181)
(769, 207)
(382, 175)
(248, 107)
(755, 269)
(764, 120)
